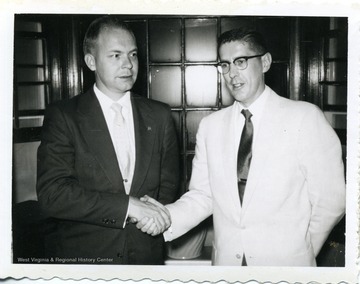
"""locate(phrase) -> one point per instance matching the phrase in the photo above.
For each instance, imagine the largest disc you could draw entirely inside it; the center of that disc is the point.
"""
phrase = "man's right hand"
(148, 225)
(153, 218)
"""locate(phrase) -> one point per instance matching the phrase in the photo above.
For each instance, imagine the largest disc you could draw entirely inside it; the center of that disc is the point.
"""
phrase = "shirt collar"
(256, 108)
(106, 102)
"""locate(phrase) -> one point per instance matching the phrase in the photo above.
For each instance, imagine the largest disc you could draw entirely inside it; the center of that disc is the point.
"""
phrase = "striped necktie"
(244, 153)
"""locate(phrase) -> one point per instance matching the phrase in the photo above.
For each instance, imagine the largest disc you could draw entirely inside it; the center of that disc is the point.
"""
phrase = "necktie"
(244, 154)
(121, 141)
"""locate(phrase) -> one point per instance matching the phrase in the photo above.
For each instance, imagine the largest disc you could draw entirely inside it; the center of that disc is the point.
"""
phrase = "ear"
(90, 61)
(266, 61)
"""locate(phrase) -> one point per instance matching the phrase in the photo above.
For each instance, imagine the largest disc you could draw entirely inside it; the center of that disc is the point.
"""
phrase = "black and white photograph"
(182, 145)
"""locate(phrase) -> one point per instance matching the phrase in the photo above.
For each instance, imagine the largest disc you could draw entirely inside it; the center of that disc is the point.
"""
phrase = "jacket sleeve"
(320, 156)
(196, 204)
(60, 193)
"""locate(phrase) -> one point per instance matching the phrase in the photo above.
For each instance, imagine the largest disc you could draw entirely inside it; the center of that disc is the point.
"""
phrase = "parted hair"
(253, 38)
(99, 25)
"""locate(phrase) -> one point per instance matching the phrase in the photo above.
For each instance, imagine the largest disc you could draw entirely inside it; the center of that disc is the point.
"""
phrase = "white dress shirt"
(256, 109)
(125, 102)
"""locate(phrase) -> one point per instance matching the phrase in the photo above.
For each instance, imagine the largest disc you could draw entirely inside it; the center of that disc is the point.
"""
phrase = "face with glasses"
(243, 70)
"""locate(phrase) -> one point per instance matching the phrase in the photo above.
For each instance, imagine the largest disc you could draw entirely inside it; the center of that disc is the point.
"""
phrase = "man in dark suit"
(94, 161)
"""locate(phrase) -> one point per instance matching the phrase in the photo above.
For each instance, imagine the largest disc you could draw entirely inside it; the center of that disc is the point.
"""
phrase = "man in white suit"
(295, 187)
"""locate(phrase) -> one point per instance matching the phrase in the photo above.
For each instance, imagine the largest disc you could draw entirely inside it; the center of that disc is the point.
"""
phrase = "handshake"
(150, 216)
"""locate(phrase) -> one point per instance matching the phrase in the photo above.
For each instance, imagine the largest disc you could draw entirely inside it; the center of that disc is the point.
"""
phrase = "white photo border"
(347, 274)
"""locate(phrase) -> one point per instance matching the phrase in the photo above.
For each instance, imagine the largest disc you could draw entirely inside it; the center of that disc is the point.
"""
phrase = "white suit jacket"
(295, 192)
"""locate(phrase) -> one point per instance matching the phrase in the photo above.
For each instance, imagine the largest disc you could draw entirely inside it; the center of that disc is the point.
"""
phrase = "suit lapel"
(145, 132)
(96, 134)
(229, 163)
(266, 141)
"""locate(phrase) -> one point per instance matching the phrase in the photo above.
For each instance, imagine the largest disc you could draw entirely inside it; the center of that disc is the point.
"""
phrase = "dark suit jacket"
(80, 185)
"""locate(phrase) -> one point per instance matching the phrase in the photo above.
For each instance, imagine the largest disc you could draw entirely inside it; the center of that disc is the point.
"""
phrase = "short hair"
(253, 38)
(99, 25)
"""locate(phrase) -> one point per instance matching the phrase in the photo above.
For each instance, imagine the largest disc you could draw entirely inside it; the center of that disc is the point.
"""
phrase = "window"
(31, 79)
(182, 58)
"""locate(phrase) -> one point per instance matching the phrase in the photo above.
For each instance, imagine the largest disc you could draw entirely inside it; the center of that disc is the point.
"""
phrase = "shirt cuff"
(126, 218)
(168, 235)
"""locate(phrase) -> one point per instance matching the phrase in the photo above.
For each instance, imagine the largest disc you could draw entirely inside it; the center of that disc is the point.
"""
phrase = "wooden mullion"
(31, 112)
(30, 134)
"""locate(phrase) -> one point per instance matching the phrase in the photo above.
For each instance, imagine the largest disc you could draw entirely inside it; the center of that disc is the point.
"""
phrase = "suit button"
(105, 221)
(113, 221)
(238, 256)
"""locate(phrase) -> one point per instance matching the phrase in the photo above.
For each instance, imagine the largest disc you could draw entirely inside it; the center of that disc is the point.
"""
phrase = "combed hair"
(255, 40)
(97, 26)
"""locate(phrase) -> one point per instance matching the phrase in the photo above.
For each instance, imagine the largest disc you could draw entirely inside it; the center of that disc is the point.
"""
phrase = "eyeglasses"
(241, 63)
